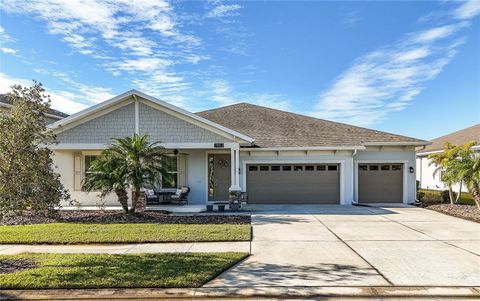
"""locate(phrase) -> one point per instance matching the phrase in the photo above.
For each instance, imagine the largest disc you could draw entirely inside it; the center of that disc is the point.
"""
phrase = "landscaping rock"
(119, 217)
(467, 212)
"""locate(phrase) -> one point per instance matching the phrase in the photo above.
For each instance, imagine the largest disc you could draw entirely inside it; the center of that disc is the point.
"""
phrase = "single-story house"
(425, 171)
(50, 117)
(276, 157)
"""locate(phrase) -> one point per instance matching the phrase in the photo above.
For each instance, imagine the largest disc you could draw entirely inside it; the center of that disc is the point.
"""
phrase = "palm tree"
(466, 167)
(106, 176)
(140, 162)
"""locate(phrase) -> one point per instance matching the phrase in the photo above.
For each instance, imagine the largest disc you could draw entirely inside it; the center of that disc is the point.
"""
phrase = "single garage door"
(380, 183)
(293, 184)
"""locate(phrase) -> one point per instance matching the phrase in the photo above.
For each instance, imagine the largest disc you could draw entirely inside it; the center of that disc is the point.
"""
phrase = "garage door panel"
(380, 186)
(287, 187)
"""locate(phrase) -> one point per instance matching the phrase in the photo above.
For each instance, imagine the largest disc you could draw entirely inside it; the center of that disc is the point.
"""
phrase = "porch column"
(235, 171)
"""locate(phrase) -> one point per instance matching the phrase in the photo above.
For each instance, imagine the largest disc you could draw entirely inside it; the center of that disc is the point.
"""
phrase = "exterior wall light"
(411, 169)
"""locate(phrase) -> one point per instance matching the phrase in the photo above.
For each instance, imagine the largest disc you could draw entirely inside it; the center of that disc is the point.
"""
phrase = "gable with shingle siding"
(160, 126)
(118, 123)
(164, 127)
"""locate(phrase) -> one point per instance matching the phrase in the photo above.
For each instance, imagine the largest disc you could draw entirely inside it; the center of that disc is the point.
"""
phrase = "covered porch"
(210, 170)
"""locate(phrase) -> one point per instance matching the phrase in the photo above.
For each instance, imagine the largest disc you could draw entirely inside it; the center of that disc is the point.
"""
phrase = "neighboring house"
(276, 157)
(425, 170)
(51, 116)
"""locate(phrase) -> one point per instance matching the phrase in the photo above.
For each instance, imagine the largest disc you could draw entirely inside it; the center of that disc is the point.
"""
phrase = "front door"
(221, 176)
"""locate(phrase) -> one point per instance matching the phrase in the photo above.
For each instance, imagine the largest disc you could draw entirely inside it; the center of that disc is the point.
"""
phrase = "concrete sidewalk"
(241, 246)
(252, 293)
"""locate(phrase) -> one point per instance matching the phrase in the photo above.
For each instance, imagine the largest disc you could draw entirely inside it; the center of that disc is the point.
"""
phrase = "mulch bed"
(16, 265)
(118, 217)
(468, 212)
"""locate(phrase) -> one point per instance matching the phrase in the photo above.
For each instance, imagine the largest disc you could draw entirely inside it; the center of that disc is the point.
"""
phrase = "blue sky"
(406, 67)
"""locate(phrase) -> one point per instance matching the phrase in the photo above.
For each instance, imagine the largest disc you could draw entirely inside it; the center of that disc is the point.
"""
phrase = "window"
(321, 167)
(170, 179)
(298, 168)
(263, 167)
(332, 167)
(309, 167)
(252, 168)
(275, 168)
(373, 167)
(362, 167)
(396, 167)
(88, 162)
(286, 168)
(385, 167)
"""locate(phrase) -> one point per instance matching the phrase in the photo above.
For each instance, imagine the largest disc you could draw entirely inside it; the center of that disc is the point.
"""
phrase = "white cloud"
(467, 10)
(8, 50)
(436, 33)
(386, 80)
(5, 39)
(223, 94)
(224, 10)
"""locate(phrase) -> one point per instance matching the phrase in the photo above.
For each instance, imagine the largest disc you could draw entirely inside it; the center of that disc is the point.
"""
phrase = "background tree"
(441, 162)
(130, 162)
(27, 177)
(106, 176)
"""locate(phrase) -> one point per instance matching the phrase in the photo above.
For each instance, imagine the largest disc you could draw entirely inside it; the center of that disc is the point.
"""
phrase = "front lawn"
(107, 270)
(71, 233)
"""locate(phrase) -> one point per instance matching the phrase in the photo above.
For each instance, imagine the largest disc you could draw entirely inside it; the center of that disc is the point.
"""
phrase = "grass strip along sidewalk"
(70, 233)
(42, 271)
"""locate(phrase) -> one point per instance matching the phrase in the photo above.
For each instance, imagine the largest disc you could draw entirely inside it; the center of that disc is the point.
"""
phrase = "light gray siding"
(119, 123)
(159, 125)
(163, 127)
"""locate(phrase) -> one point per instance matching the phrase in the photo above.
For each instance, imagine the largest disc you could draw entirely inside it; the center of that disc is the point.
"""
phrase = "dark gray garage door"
(380, 183)
(293, 184)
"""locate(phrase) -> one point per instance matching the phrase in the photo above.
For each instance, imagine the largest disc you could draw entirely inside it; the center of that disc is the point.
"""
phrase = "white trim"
(405, 176)
(475, 147)
(416, 143)
(91, 146)
(137, 116)
(303, 148)
(299, 161)
(60, 125)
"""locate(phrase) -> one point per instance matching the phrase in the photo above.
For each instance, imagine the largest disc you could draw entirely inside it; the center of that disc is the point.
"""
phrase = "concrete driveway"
(357, 246)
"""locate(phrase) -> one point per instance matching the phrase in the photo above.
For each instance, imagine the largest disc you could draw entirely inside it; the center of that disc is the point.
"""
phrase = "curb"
(244, 292)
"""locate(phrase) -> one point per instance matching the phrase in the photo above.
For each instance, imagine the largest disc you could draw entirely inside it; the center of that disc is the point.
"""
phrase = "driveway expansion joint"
(353, 250)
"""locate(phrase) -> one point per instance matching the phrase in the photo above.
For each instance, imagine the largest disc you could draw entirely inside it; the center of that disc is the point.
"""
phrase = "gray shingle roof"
(459, 137)
(275, 128)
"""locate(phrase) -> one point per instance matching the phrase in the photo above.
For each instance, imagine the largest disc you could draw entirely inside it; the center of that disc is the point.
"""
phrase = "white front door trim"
(299, 161)
(405, 175)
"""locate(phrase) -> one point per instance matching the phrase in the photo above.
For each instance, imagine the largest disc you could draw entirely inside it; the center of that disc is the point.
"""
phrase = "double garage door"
(293, 184)
(320, 183)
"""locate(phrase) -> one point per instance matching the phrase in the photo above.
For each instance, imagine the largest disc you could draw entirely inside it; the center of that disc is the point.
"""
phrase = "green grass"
(436, 196)
(107, 270)
(70, 233)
